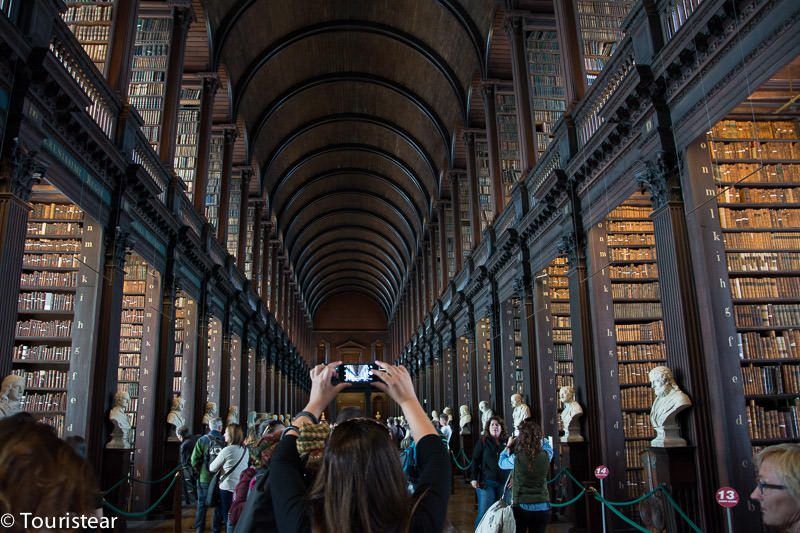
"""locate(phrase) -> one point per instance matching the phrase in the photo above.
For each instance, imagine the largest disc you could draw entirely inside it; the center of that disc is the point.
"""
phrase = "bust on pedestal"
(435, 418)
(175, 417)
(521, 410)
(449, 413)
(11, 393)
(670, 400)
(570, 415)
(210, 414)
(233, 416)
(465, 420)
(121, 436)
(486, 414)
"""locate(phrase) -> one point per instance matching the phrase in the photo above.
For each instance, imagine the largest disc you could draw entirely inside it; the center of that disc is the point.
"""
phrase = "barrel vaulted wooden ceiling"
(353, 112)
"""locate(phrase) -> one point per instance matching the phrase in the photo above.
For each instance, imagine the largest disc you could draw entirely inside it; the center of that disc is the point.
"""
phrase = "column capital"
(229, 134)
(569, 246)
(487, 89)
(210, 82)
(22, 171)
(182, 15)
(659, 178)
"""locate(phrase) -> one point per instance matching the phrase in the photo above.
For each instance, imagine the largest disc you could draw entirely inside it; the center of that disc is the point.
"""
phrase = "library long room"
(576, 224)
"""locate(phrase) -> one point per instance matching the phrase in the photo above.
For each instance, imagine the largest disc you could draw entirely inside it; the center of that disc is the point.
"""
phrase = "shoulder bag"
(212, 496)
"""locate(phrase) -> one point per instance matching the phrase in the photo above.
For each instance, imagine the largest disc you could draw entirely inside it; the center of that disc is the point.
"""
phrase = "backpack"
(408, 460)
(215, 446)
(258, 513)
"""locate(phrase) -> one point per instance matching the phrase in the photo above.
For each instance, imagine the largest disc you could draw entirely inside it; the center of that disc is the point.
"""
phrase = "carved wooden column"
(266, 259)
(120, 48)
(682, 331)
(255, 273)
(225, 359)
(493, 143)
(443, 242)
(182, 17)
(273, 272)
(225, 179)
(104, 382)
(244, 202)
(426, 279)
(17, 175)
(201, 358)
(210, 86)
(519, 67)
(455, 193)
(472, 189)
(435, 279)
(570, 50)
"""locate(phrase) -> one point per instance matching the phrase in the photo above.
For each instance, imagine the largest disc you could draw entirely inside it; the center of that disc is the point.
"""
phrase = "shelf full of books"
(56, 310)
(234, 216)
(214, 363)
(599, 24)
(463, 360)
(546, 82)
(756, 172)
(466, 221)
(515, 367)
(185, 333)
(485, 364)
(629, 329)
(508, 138)
(186, 140)
(485, 198)
(138, 339)
(235, 371)
(149, 73)
(214, 179)
(90, 22)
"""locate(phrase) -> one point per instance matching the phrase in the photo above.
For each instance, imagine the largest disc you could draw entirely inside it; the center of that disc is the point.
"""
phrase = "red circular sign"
(727, 497)
(601, 472)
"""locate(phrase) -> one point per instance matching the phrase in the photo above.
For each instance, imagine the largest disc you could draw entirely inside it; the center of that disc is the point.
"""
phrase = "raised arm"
(396, 382)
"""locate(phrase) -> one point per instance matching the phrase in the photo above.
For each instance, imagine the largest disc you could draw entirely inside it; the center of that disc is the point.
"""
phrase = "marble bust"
(233, 416)
(122, 435)
(465, 420)
(175, 417)
(670, 400)
(435, 417)
(210, 414)
(570, 415)
(449, 413)
(521, 410)
(486, 414)
(11, 393)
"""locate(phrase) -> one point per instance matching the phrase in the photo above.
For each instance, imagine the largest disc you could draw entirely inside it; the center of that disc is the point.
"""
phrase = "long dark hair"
(360, 486)
(503, 434)
(529, 441)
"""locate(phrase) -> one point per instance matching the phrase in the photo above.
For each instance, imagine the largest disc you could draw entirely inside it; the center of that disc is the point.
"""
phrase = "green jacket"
(530, 478)
(199, 463)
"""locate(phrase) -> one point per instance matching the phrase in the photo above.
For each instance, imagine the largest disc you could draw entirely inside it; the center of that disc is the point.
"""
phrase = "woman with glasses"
(360, 485)
(778, 487)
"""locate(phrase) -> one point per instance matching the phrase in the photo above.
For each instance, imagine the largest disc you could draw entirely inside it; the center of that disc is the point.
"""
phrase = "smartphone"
(357, 373)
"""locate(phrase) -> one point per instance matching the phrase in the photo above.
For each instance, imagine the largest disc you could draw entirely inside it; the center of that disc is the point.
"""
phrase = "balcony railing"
(68, 51)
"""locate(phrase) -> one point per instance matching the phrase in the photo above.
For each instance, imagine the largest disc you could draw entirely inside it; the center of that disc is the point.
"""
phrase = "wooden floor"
(461, 513)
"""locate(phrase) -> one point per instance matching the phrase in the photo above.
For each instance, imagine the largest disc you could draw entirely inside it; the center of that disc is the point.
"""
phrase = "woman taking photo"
(233, 460)
(487, 478)
(360, 486)
(529, 455)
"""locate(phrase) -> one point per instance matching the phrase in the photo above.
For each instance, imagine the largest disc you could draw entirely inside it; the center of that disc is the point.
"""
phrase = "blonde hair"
(786, 459)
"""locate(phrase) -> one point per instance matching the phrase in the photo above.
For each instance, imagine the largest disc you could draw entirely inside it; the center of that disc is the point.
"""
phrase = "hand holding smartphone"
(357, 373)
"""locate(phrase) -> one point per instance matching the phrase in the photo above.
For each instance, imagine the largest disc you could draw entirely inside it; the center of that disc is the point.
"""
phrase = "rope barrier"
(147, 511)
(141, 481)
(455, 462)
(677, 508)
(619, 513)
(570, 502)
(557, 476)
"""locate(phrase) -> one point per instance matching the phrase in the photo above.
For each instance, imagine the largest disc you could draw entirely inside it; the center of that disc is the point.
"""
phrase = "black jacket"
(485, 459)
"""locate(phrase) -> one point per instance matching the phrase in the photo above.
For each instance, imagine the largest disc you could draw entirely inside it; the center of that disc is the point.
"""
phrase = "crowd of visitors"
(357, 474)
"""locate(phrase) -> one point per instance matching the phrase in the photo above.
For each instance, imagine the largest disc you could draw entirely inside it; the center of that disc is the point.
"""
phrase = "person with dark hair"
(77, 443)
(208, 447)
(187, 441)
(529, 457)
(486, 477)
(233, 461)
(360, 485)
(41, 474)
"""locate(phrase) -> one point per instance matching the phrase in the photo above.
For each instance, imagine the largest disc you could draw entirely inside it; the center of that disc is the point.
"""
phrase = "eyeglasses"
(764, 485)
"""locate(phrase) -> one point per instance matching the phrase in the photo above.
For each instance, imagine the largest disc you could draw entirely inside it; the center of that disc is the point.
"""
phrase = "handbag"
(212, 496)
(499, 518)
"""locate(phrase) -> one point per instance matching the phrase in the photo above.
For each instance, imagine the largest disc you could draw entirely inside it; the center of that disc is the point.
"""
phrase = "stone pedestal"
(466, 443)
(673, 468)
(171, 459)
(585, 513)
(116, 465)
